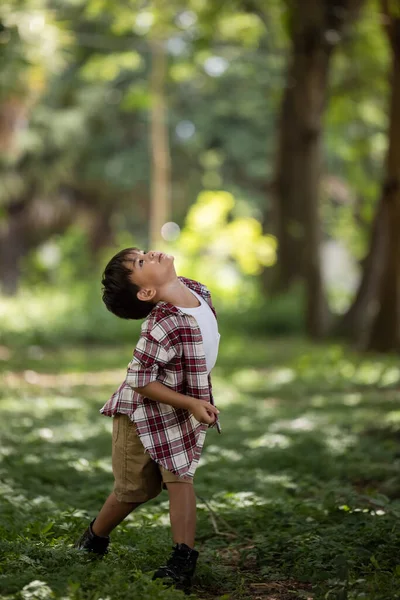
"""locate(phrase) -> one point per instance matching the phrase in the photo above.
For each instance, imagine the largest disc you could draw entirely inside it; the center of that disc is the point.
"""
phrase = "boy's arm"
(203, 411)
(149, 356)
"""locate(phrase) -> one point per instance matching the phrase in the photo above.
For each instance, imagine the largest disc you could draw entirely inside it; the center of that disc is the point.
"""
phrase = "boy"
(162, 410)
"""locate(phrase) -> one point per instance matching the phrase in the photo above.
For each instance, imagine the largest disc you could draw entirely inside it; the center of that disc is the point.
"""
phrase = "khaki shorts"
(138, 477)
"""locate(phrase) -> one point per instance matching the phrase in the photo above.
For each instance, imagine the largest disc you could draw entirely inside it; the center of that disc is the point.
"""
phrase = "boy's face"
(150, 270)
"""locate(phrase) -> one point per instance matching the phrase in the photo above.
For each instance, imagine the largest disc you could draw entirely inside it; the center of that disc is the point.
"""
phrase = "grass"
(298, 498)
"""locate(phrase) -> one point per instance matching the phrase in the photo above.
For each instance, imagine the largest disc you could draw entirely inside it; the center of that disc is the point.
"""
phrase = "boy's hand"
(203, 411)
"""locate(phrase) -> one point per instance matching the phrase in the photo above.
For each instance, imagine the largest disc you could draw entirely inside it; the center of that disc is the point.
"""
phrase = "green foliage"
(47, 316)
(356, 127)
(221, 244)
(106, 68)
(60, 262)
(85, 69)
(224, 247)
(281, 314)
(303, 482)
(74, 313)
(28, 48)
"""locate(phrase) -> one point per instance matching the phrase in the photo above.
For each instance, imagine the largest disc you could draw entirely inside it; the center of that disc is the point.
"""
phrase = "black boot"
(92, 542)
(180, 567)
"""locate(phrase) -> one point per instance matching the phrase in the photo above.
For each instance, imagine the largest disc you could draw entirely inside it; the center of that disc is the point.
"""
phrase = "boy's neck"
(176, 293)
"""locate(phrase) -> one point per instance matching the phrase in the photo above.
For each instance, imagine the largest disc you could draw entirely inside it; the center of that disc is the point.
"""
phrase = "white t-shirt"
(208, 327)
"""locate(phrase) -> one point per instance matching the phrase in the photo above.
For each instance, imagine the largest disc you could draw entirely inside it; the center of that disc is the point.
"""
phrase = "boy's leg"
(137, 480)
(112, 514)
(96, 537)
(181, 565)
(182, 511)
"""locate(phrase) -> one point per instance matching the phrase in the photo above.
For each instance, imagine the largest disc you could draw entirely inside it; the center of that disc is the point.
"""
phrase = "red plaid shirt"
(170, 350)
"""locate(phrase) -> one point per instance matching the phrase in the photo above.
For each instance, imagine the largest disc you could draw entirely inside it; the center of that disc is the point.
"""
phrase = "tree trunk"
(160, 208)
(355, 325)
(12, 116)
(385, 333)
(315, 32)
(100, 231)
(12, 248)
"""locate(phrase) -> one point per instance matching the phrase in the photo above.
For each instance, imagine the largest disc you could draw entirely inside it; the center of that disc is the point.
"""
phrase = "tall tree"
(385, 331)
(160, 197)
(314, 34)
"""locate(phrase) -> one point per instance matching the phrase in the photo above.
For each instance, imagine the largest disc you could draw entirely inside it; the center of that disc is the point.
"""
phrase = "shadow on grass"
(301, 486)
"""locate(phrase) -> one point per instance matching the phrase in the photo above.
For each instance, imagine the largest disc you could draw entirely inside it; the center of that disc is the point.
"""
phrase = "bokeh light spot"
(170, 231)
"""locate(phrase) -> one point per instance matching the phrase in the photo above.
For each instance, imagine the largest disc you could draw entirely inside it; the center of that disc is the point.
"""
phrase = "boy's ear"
(146, 294)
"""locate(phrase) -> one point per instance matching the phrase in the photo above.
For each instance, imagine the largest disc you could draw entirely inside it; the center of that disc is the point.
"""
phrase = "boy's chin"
(170, 261)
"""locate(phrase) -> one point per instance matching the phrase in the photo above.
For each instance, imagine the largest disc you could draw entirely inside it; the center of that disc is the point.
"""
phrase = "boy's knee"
(125, 499)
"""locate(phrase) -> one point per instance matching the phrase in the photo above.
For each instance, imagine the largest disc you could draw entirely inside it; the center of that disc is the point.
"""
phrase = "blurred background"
(259, 142)
(256, 141)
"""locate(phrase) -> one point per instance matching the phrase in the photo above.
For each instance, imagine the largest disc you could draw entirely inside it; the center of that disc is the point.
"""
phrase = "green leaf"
(374, 562)
(47, 527)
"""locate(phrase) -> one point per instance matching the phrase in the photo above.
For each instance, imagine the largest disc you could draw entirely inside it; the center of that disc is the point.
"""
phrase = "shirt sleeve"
(149, 357)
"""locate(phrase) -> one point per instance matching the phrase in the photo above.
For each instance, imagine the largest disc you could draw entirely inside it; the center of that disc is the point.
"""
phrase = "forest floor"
(298, 498)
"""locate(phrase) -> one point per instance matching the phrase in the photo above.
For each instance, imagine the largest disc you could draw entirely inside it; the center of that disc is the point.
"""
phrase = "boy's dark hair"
(119, 293)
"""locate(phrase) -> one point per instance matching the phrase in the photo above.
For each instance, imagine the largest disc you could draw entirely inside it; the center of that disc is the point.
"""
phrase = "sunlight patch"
(346, 369)
(254, 379)
(369, 373)
(9, 493)
(226, 394)
(64, 380)
(45, 433)
(281, 376)
(82, 464)
(374, 513)
(76, 513)
(352, 399)
(245, 499)
(304, 423)
(36, 589)
(6, 450)
(392, 417)
(41, 406)
(248, 379)
(270, 440)
(150, 516)
(43, 501)
(163, 519)
(104, 465)
(337, 442)
(215, 453)
(283, 480)
(390, 377)
(31, 459)
(237, 500)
